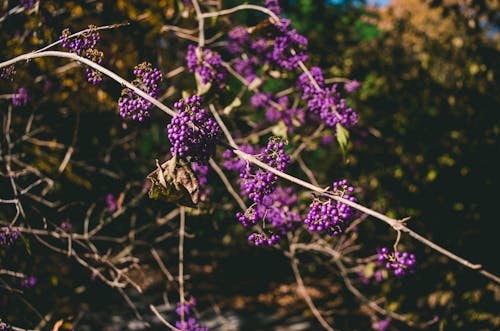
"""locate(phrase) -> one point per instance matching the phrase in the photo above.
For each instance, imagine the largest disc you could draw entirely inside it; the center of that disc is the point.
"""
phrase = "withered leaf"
(176, 182)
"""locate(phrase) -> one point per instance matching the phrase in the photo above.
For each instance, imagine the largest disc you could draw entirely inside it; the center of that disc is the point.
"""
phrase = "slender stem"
(201, 23)
(107, 72)
(161, 318)
(79, 33)
(181, 260)
(303, 291)
(241, 7)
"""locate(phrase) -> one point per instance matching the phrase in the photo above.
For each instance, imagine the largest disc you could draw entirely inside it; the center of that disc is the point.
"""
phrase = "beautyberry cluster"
(280, 110)
(191, 324)
(85, 45)
(201, 170)
(29, 282)
(400, 263)
(132, 105)
(325, 102)
(4, 326)
(289, 47)
(330, 215)
(20, 98)
(259, 183)
(352, 86)
(193, 132)
(207, 64)
(8, 236)
(27, 4)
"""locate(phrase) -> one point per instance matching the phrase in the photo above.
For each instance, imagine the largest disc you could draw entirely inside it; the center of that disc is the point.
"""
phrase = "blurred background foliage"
(426, 146)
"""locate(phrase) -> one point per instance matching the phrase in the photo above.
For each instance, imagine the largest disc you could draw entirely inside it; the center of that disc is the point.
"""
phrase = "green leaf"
(342, 137)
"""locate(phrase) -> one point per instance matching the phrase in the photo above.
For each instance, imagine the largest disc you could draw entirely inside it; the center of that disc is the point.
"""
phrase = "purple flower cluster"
(132, 105)
(85, 45)
(280, 110)
(330, 215)
(207, 64)
(400, 263)
(325, 102)
(193, 133)
(191, 324)
(20, 98)
(29, 282)
(27, 4)
(8, 236)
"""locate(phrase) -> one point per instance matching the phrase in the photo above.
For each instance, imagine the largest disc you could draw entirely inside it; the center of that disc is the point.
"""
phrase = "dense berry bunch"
(258, 183)
(193, 132)
(132, 105)
(85, 45)
(400, 263)
(8, 236)
(329, 215)
(325, 102)
(191, 324)
(207, 64)
(20, 98)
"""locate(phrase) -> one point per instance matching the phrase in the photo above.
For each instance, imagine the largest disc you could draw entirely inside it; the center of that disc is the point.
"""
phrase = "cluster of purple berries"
(259, 183)
(85, 45)
(201, 170)
(4, 326)
(274, 6)
(27, 4)
(233, 162)
(330, 215)
(20, 98)
(207, 64)
(132, 105)
(8, 236)
(278, 210)
(193, 132)
(326, 102)
(191, 324)
(289, 47)
(399, 263)
(280, 110)
(29, 282)
(271, 204)
(261, 239)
